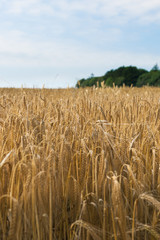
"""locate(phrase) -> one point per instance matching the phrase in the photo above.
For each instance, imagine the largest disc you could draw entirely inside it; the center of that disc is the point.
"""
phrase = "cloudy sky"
(57, 42)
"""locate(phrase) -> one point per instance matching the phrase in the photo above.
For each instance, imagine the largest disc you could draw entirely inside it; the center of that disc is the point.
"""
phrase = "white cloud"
(31, 7)
(17, 50)
(74, 37)
(125, 10)
(115, 11)
(18, 6)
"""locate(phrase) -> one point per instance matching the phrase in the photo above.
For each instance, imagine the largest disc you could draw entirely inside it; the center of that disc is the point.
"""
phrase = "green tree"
(152, 79)
(123, 75)
(109, 82)
(155, 67)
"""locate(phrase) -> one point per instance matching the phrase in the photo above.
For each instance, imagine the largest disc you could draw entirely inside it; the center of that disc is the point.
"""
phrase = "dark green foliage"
(109, 82)
(123, 75)
(151, 78)
(80, 83)
(89, 82)
(155, 68)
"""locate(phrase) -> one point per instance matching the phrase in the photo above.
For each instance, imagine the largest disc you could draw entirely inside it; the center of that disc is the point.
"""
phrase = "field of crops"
(80, 164)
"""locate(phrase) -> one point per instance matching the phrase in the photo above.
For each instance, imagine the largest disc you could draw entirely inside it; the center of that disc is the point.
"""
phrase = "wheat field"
(80, 164)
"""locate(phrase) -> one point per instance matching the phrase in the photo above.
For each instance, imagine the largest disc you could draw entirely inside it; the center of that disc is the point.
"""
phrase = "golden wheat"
(80, 164)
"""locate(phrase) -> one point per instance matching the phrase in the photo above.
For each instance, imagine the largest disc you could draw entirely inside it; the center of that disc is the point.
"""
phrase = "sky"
(54, 43)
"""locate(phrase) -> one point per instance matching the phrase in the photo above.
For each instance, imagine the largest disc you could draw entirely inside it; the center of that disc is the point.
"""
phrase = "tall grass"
(80, 164)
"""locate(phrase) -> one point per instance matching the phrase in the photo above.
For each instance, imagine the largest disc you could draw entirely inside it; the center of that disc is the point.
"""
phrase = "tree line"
(130, 76)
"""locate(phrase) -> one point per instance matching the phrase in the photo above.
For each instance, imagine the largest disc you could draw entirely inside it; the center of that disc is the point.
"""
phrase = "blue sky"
(56, 42)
